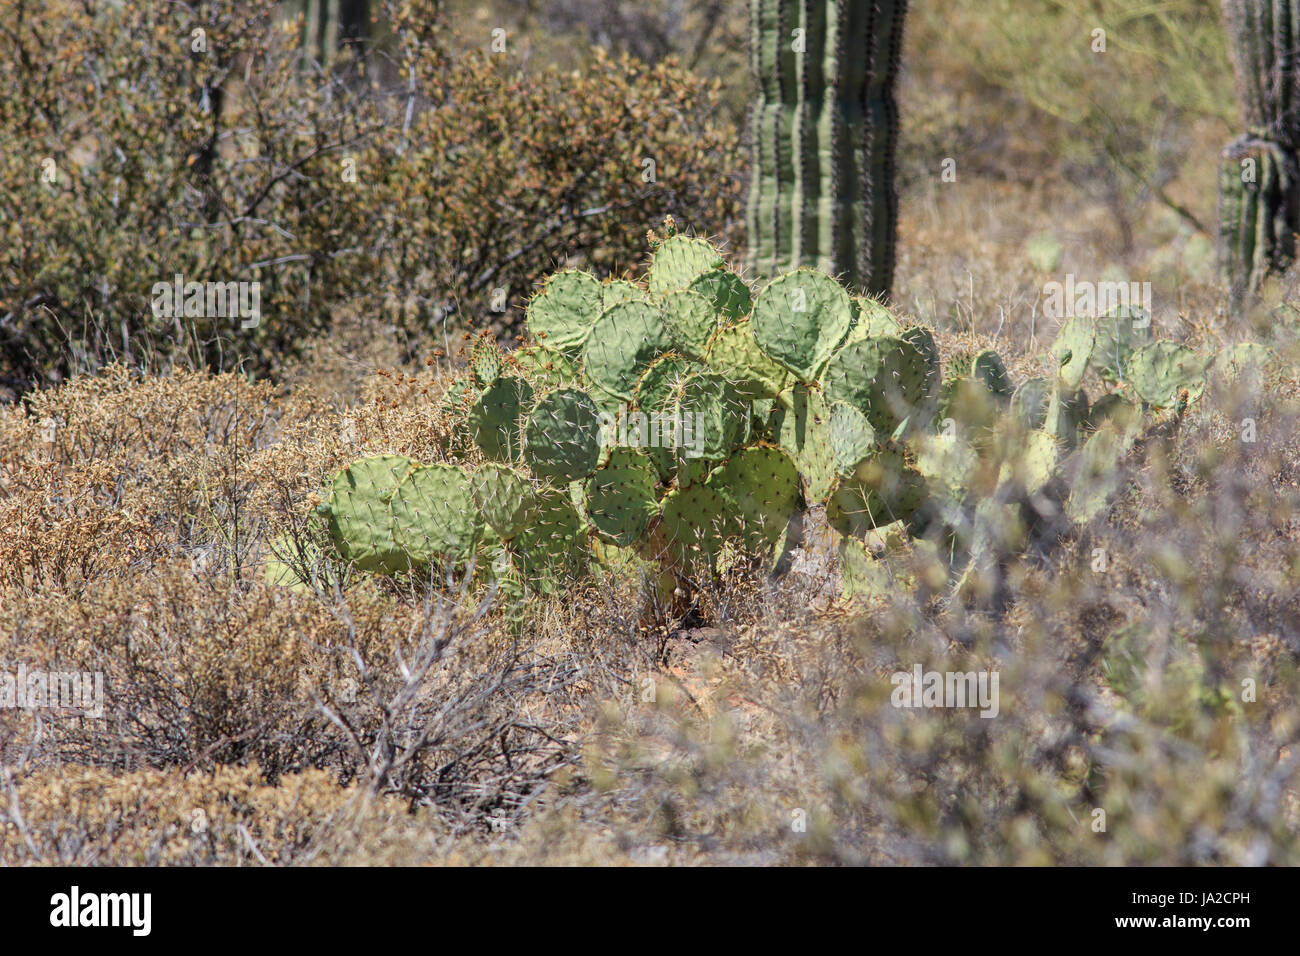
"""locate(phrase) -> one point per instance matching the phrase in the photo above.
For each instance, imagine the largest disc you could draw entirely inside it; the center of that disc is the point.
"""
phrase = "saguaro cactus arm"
(1259, 183)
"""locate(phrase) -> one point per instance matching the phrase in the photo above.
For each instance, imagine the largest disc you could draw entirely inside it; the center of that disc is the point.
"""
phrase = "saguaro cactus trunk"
(330, 25)
(825, 131)
(1259, 182)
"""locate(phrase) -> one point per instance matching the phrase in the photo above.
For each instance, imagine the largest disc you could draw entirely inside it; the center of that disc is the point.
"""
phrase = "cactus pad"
(1095, 475)
(762, 485)
(872, 320)
(484, 360)
(1160, 371)
(678, 261)
(690, 320)
(561, 316)
(552, 551)
(800, 318)
(694, 520)
(1118, 335)
(495, 419)
(726, 294)
(621, 497)
(714, 416)
(851, 436)
(434, 517)
(801, 421)
(1073, 347)
(504, 497)
(885, 379)
(623, 343)
(360, 514)
(734, 353)
(562, 436)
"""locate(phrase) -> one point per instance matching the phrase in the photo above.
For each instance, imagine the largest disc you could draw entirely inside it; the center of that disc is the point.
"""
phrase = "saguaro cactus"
(330, 25)
(1259, 195)
(825, 130)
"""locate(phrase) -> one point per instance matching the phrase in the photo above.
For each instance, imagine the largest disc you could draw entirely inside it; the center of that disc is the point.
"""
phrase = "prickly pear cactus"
(682, 420)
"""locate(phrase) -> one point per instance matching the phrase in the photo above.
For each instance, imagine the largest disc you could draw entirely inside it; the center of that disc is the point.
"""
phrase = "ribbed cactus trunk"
(330, 25)
(825, 132)
(1259, 182)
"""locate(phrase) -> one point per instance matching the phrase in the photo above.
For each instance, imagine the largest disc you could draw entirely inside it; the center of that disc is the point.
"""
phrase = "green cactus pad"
(494, 420)
(617, 291)
(861, 575)
(872, 320)
(561, 316)
(715, 416)
(1030, 401)
(726, 293)
(1244, 359)
(800, 318)
(801, 421)
(762, 484)
(553, 550)
(882, 490)
(690, 320)
(885, 379)
(852, 437)
(434, 517)
(1119, 334)
(694, 522)
(544, 368)
(1066, 414)
(360, 513)
(625, 340)
(988, 368)
(1034, 463)
(1096, 475)
(562, 436)
(1073, 349)
(484, 360)
(680, 260)
(1160, 371)
(734, 354)
(923, 340)
(660, 383)
(504, 497)
(620, 497)
(947, 463)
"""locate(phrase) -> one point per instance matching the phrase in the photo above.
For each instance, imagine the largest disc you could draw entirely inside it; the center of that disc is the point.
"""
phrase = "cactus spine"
(1259, 183)
(825, 130)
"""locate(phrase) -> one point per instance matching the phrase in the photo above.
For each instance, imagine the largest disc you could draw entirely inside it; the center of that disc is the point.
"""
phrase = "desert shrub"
(149, 150)
(1116, 110)
(151, 818)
